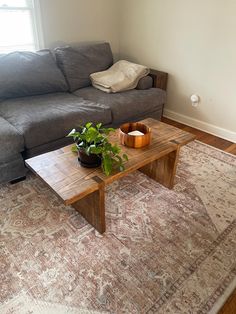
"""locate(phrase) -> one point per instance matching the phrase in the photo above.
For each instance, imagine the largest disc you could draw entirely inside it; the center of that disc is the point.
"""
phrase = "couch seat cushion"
(11, 141)
(77, 63)
(27, 73)
(42, 119)
(126, 105)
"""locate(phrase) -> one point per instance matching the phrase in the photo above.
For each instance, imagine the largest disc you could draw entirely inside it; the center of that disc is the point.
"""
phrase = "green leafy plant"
(93, 139)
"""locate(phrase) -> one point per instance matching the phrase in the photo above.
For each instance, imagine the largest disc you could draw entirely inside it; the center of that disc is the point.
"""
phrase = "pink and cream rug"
(164, 251)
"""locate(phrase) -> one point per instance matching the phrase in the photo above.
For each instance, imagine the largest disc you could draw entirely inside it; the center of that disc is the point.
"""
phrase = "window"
(19, 25)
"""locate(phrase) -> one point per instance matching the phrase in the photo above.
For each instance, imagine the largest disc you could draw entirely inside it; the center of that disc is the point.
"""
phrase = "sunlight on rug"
(165, 251)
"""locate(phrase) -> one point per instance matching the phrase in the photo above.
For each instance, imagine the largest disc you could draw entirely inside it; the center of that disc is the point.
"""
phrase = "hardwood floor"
(227, 146)
(230, 305)
(206, 138)
(232, 149)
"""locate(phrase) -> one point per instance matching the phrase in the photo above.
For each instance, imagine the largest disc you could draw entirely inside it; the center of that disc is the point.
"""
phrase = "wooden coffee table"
(84, 188)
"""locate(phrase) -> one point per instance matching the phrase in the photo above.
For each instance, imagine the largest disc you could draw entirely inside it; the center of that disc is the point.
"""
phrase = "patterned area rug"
(165, 251)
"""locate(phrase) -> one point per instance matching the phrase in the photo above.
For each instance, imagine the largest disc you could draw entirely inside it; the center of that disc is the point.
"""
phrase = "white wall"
(195, 42)
(66, 21)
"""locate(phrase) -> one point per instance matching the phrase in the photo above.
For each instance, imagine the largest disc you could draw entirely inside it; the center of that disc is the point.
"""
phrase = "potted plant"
(94, 148)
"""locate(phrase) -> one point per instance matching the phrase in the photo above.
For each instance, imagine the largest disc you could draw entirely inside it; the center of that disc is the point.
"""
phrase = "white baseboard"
(200, 125)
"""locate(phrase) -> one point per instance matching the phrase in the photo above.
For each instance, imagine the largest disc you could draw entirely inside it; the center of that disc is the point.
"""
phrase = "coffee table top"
(62, 172)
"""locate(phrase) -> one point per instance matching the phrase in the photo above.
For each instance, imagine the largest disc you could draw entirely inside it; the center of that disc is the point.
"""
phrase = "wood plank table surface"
(84, 188)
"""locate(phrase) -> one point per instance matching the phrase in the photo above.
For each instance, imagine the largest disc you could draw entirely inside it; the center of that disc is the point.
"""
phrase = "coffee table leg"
(163, 170)
(92, 208)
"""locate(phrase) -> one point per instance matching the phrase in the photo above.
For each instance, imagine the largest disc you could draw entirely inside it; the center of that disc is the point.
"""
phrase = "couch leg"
(18, 180)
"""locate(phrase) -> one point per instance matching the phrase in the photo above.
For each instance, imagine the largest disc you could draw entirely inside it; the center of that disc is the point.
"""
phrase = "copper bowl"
(135, 141)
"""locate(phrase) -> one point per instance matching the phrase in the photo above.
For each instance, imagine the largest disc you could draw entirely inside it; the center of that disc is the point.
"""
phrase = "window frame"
(33, 6)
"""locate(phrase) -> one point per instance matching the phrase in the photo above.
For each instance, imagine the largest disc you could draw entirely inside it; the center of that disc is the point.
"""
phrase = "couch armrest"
(159, 79)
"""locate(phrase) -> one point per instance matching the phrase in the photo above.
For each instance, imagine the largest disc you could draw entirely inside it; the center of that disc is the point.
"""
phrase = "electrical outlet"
(195, 99)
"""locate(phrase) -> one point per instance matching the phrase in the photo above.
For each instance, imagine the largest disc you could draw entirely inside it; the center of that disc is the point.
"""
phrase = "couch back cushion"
(27, 73)
(77, 63)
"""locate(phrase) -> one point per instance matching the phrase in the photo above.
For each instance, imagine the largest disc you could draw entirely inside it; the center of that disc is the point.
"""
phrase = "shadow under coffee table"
(84, 188)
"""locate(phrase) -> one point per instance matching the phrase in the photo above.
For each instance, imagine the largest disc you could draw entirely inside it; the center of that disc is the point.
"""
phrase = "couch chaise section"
(12, 146)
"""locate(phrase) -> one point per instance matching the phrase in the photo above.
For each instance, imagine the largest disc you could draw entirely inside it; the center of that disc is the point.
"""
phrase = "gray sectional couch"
(44, 95)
